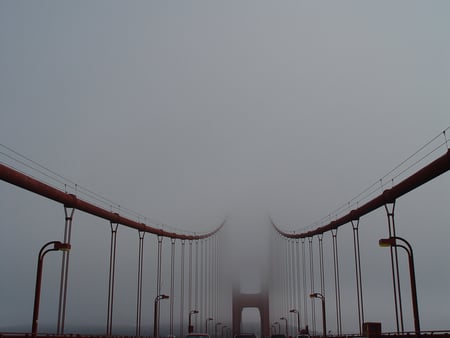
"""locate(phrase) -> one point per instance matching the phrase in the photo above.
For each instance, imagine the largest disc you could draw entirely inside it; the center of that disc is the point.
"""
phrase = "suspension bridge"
(297, 296)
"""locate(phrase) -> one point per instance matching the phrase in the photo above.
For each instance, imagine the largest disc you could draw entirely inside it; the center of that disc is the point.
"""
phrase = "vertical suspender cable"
(355, 225)
(139, 285)
(294, 279)
(210, 274)
(206, 280)
(158, 280)
(299, 284)
(305, 292)
(395, 271)
(284, 274)
(288, 278)
(205, 285)
(219, 278)
(190, 277)
(216, 277)
(202, 314)
(321, 272)
(321, 265)
(282, 279)
(112, 268)
(64, 271)
(311, 277)
(183, 247)
(158, 274)
(279, 281)
(337, 287)
(172, 284)
(196, 283)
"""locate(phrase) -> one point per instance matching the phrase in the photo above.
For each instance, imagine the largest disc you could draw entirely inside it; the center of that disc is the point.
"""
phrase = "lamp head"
(386, 242)
(62, 246)
(293, 310)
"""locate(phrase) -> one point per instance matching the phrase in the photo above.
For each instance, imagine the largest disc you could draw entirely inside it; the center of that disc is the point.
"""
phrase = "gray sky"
(188, 112)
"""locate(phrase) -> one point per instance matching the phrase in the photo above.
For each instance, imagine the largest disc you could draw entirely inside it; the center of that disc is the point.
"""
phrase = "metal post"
(57, 246)
(392, 242)
(324, 320)
(298, 318)
(215, 331)
(156, 315)
(191, 328)
(286, 326)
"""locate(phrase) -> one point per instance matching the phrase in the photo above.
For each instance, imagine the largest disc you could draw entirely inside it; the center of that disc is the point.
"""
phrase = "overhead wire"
(58, 181)
(381, 183)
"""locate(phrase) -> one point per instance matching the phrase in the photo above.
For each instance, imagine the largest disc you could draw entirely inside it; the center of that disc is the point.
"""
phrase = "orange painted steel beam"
(424, 175)
(21, 180)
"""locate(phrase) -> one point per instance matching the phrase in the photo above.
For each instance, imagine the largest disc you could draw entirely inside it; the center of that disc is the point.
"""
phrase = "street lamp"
(191, 328)
(223, 327)
(206, 324)
(215, 330)
(392, 241)
(156, 315)
(324, 320)
(286, 331)
(276, 323)
(298, 318)
(57, 246)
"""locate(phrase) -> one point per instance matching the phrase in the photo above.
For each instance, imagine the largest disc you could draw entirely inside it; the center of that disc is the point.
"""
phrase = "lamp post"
(215, 330)
(286, 330)
(276, 323)
(298, 318)
(156, 315)
(57, 246)
(324, 320)
(190, 328)
(223, 327)
(206, 324)
(392, 241)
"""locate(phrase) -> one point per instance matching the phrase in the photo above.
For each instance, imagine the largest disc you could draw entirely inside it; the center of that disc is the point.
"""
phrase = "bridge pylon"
(258, 300)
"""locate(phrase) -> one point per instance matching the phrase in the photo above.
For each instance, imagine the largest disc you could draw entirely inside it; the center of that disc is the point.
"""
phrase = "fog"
(190, 113)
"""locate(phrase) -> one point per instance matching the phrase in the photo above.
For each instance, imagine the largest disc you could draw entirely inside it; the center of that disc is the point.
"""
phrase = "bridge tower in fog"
(258, 300)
